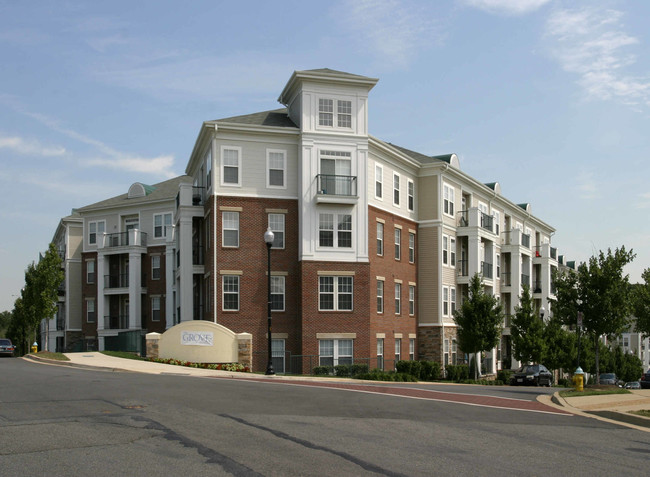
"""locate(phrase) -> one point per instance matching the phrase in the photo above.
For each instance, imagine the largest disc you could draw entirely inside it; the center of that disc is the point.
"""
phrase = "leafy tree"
(601, 292)
(17, 331)
(5, 318)
(641, 301)
(479, 319)
(527, 331)
(560, 345)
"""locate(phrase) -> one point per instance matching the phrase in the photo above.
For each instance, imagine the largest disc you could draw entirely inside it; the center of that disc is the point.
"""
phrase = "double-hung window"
(276, 224)
(277, 293)
(445, 301)
(155, 308)
(449, 195)
(230, 223)
(334, 352)
(230, 298)
(160, 224)
(380, 296)
(327, 116)
(398, 349)
(276, 161)
(410, 186)
(395, 189)
(91, 315)
(452, 300)
(398, 243)
(335, 293)
(94, 229)
(411, 247)
(398, 298)
(411, 300)
(326, 235)
(325, 112)
(412, 349)
(90, 272)
(380, 238)
(231, 166)
(380, 353)
(379, 179)
(155, 267)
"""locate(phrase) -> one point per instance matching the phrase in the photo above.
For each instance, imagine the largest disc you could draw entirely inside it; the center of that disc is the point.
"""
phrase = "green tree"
(479, 320)
(641, 301)
(5, 319)
(527, 331)
(560, 345)
(17, 331)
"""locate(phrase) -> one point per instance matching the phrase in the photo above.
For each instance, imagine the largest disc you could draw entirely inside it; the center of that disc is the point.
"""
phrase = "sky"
(549, 98)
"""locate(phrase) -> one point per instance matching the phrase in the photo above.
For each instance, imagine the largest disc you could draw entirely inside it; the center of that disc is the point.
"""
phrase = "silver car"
(6, 347)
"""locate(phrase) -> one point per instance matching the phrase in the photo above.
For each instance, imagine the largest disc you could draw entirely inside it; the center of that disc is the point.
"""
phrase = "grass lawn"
(51, 355)
(593, 392)
(123, 354)
(644, 413)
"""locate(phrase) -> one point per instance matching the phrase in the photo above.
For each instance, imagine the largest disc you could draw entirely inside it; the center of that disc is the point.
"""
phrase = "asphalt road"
(60, 421)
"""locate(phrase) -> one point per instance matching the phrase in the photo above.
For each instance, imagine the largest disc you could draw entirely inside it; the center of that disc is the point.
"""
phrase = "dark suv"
(645, 380)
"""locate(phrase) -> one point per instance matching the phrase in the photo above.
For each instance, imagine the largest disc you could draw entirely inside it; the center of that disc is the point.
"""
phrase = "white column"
(169, 280)
(101, 305)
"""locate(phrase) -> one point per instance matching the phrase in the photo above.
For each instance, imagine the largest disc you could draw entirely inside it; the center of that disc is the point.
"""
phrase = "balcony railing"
(198, 195)
(554, 253)
(525, 240)
(487, 221)
(506, 279)
(337, 185)
(198, 257)
(120, 322)
(462, 267)
(463, 219)
(486, 269)
(507, 320)
(60, 324)
(116, 281)
(537, 286)
(61, 252)
(525, 280)
(122, 239)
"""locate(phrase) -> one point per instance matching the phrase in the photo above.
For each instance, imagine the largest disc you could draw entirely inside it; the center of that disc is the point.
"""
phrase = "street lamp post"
(542, 310)
(268, 238)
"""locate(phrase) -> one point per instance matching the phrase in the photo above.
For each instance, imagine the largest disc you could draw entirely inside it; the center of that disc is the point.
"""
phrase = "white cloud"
(587, 185)
(161, 165)
(29, 147)
(392, 30)
(507, 7)
(592, 44)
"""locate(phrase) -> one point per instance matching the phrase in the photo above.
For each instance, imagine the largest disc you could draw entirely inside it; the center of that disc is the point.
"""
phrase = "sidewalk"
(608, 407)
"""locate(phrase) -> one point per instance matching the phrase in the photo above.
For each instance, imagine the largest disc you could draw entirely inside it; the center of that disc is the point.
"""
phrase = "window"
(230, 224)
(336, 173)
(412, 349)
(398, 349)
(452, 300)
(498, 259)
(410, 189)
(411, 300)
(396, 189)
(445, 301)
(335, 293)
(398, 244)
(326, 113)
(230, 299)
(445, 250)
(380, 238)
(334, 352)
(379, 178)
(276, 162)
(398, 298)
(497, 221)
(277, 293)
(380, 353)
(276, 224)
(411, 248)
(90, 311)
(448, 199)
(454, 352)
(155, 308)
(380, 296)
(208, 167)
(155, 267)
(230, 166)
(94, 229)
(277, 355)
(160, 224)
(452, 251)
(343, 237)
(446, 350)
(90, 272)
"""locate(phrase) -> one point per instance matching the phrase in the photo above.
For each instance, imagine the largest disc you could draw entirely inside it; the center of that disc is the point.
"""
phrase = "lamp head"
(269, 236)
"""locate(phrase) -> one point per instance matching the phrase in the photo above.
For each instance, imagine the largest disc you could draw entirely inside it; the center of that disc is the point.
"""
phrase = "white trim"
(222, 166)
(284, 168)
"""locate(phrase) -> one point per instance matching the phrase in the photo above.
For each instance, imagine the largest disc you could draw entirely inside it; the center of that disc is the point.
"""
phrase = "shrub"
(356, 369)
(322, 370)
(342, 370)
(504, 375)
(403, 366)
(430, 370)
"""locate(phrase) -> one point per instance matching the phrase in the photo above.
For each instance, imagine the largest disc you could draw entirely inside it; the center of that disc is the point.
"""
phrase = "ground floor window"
(380, 353)
(334, 352)
(277, 355)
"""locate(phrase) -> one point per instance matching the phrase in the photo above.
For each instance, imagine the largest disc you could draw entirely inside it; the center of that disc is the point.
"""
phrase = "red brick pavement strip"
(415, 393)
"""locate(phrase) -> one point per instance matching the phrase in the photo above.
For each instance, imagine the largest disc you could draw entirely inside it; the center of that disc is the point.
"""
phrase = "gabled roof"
(338, 74)
(275, 118)
(422, 158)
(162, 191)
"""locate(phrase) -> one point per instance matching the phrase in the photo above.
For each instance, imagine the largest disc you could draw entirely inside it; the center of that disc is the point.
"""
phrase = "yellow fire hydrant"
(579, 379)
(35, 347)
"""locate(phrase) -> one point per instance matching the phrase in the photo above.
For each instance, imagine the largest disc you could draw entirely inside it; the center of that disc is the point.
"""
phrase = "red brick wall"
(154, 287)
(89, 291)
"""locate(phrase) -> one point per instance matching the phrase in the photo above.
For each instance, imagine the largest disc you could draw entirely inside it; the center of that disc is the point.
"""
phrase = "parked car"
(6, 347)
(532, 374)
(645, 380)
(633, 385)
(610, 379)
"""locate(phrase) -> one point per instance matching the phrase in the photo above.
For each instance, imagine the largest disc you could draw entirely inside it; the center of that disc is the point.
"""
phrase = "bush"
(342, 370)
(430, 371)
(504, 375)
(458, 372)
(322, 370)
(403, 366)
(379, 375)
(356, 369)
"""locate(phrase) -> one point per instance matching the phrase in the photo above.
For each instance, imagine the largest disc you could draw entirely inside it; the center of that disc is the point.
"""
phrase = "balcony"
(507, 320)
(462, 267)
(336, 189)
(525, 280)
(517, 238)
(537, 286)
(120, 322)
(473, 219)
(198, 255)
(130, 238)
(60, 324)
(486, 269)
(525, 240)
(198, 195)
(116, 281)
(487, 222)
(506, 279)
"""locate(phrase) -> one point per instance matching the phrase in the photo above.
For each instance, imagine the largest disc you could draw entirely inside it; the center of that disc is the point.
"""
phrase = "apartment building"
(374, 243)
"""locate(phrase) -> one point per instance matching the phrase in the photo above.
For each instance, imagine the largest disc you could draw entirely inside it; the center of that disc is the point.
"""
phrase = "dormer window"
(327, 116)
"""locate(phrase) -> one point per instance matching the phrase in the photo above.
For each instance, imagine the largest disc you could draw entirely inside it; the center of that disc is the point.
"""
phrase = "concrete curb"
(57, 362)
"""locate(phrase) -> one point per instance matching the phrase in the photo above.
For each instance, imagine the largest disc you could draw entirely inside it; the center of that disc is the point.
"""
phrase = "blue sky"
(549, 98)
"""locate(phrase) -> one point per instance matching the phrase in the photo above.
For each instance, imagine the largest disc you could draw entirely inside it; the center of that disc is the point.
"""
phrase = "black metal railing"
(487, 221)
(121, 239)
(198, 255)
(337, 185)
(198, 195)
(537, 286)
(525, 280)
(525, 240)
(554, 253)
(60, 324)
(116, 281)
(486, 269)
(463, 220)
(463, 268)
(506, 279)
(119, 322)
